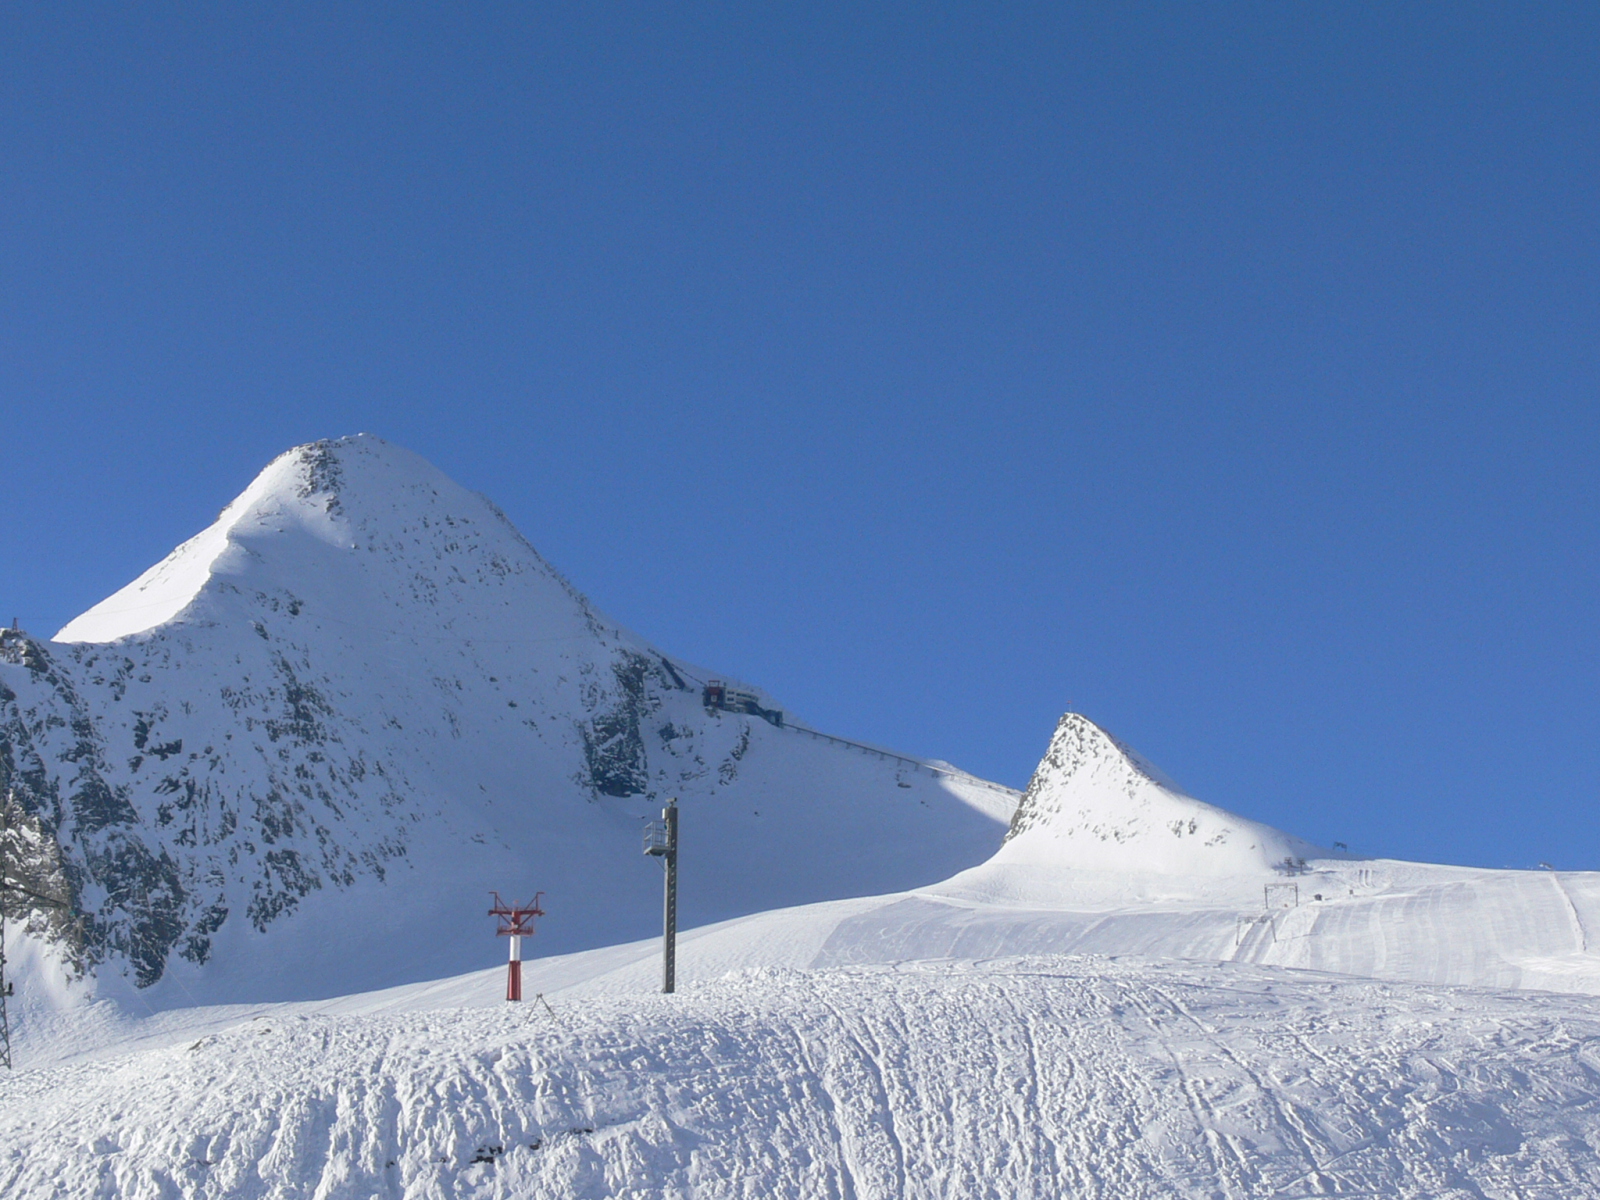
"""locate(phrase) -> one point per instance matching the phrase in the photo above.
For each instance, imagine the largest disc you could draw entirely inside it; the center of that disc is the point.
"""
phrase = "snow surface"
(1023, 1076)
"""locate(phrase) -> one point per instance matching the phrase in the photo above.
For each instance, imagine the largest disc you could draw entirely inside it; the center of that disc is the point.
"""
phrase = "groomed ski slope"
(1034, 1076)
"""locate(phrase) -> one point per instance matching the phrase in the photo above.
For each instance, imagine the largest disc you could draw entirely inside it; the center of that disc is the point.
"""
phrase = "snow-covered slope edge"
(325, 727)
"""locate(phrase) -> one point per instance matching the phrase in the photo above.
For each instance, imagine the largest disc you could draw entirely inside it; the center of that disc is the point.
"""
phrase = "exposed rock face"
(1093, 804)
(363, 668)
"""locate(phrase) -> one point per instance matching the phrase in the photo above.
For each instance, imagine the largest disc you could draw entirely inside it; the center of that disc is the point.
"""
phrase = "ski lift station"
(719, 695)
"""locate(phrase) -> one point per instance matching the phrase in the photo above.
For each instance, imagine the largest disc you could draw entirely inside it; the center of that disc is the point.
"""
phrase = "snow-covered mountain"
(293, 758)
(1094, 804)
(287, 762)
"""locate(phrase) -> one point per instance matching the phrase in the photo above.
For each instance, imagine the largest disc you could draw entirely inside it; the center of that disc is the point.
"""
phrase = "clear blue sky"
(1228, 372)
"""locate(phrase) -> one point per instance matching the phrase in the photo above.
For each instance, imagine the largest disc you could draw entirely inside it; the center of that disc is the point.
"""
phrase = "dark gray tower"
(661, 840)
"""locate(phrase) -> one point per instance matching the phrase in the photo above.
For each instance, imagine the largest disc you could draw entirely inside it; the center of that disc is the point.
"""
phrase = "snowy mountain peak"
(1095, 805)
(362, 690)
(310, 508)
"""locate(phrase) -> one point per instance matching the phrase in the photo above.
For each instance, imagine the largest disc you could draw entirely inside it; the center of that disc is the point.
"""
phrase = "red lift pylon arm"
(516, 922)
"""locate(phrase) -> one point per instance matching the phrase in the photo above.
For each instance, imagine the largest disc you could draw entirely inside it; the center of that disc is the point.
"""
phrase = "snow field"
(1035, 1076)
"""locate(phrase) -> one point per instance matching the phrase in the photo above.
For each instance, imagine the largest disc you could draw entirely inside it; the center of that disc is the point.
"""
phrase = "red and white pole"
(516, 922)
(514, 970)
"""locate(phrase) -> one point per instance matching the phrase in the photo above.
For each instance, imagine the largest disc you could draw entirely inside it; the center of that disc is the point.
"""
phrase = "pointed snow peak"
(349, 479)
(1095, 805)
(296, 530)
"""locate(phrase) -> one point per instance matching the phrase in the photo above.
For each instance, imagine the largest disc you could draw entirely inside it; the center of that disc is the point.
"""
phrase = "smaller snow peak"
(1094, 804)
(1080, 754)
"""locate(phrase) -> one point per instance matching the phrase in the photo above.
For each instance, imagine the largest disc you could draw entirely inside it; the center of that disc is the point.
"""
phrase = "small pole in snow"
(661, 841)
(516, 922)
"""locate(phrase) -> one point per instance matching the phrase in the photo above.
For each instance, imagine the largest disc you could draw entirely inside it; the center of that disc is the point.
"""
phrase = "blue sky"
(1226, 372)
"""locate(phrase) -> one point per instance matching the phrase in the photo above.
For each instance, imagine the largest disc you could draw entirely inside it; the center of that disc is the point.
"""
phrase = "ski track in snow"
(1040, 1076)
